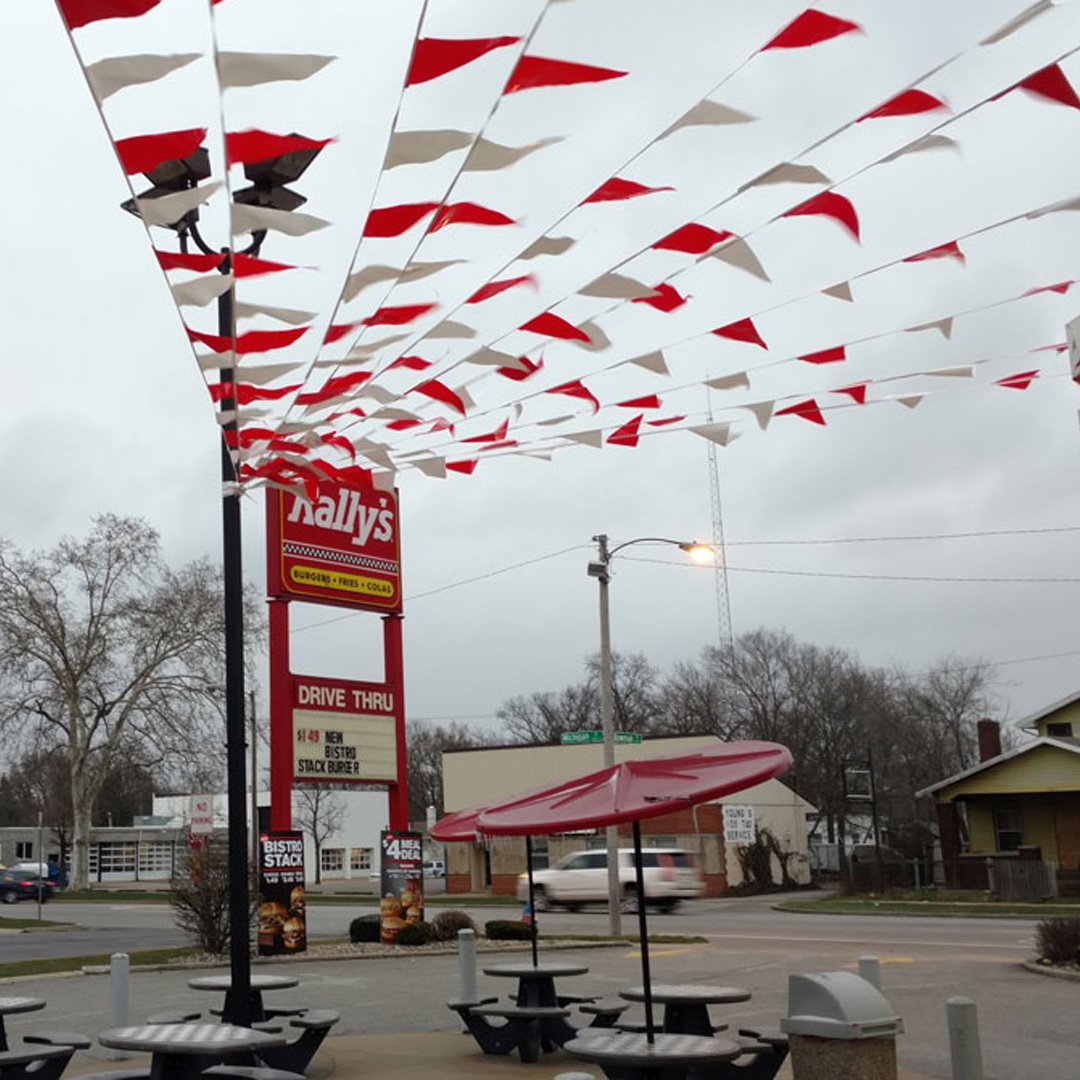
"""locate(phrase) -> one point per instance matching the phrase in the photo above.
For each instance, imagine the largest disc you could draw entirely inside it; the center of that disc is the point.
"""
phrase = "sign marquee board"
(343, 732)
(342, 548)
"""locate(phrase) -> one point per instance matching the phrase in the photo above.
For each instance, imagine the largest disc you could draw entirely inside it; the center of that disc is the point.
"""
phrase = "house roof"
(1028, 723)
(991, 763)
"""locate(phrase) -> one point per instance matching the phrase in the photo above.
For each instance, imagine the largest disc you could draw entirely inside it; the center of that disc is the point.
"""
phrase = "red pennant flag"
(433, 57)
(951, 250)
(1021, 381)
(493, 288)
(857, 392)
(1061, 288)
(742, 330)
(467, 213)
(144, 153)
(1051, 84)
(576, 389)
(808, 410)
(829, 204)
(288, 446)
(440, 424)
(410, 363)
(398, 316)
(667, 420)
(551, 325)
(466, 467)
(520, 374)
(245, 266)
(337, 332)
(340, 442)
(627, 435)
(618, 190)
(533, 72)
(908, 103)
(248, 436)
(405, 424)
(441, 392)
(667, 298)
(247, 393)
(810, 28)
(257, 341)
(335, 387)
(650, 401)
(692, 240)
(78, 13)
(498, 435)
(502, 444)
(174, 260)
(826, 356)
(215, 342)
(388, 221)
(252, 146)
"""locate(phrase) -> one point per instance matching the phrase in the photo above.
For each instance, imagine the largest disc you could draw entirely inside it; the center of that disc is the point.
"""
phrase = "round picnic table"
(259, 983)
(11, 1005)
(667, 1057)
(686, 1005)
(183, 1051)
(536, 982)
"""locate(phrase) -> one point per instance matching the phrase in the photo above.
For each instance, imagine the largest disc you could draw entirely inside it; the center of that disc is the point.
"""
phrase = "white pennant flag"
(107, 77)
(253, 69)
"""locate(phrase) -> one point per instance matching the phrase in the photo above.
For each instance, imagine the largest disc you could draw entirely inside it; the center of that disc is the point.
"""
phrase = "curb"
(917, 913)
(1050, 970)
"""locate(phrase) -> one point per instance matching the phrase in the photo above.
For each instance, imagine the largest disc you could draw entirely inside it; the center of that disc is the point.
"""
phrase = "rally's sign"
(343, 547)
(343, 732)
(282, 911)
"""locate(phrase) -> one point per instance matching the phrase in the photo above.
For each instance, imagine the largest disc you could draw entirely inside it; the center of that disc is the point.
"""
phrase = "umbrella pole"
(532, 899)
(643, 933)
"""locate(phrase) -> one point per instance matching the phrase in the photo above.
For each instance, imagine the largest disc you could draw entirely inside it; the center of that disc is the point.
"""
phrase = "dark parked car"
(16, 885)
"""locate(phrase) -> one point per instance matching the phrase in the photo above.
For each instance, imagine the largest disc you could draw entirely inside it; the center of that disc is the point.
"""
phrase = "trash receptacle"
(841, 1027)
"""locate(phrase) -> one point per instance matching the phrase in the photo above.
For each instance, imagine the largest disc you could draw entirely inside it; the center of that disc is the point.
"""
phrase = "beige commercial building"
(715, 831)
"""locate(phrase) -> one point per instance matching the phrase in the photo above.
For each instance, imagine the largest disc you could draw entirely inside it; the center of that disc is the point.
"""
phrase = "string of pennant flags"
(504, 283)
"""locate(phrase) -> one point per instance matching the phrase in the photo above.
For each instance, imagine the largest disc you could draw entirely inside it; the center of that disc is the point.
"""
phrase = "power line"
(901, 538)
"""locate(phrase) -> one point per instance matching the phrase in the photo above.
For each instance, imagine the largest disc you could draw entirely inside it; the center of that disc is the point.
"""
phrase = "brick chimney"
(989, 739)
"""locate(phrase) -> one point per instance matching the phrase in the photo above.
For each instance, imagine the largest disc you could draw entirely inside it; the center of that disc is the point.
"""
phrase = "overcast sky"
(104, 408)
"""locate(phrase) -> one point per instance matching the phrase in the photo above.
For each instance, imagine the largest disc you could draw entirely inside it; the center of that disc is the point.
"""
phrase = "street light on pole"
(268, 179)
(600, 568)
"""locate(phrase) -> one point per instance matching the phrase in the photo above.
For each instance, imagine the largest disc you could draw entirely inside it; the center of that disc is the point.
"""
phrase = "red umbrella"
(631, 791)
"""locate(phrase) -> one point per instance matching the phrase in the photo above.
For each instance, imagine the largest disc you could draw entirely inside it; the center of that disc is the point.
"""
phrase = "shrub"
(1058, 940)
(507, 930)
(418, 933)
(448, 924)
(199, 895)
(364, 928)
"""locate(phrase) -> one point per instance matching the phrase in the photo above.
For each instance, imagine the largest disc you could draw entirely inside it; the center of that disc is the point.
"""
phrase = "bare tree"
(425, 745)
(102, 645)
(319, 811)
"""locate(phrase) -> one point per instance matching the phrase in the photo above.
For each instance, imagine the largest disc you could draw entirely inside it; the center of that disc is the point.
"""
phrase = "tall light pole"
(600, 568)
(268, 191)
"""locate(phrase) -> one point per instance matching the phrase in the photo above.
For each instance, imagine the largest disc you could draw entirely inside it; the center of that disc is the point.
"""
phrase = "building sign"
(343, 732)
(282, 906)
(402, 901)
(342, 548)
(739, 825)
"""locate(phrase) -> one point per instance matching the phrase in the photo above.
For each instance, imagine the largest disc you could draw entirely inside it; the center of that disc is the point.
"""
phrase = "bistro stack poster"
(402, 883)
(282, 919)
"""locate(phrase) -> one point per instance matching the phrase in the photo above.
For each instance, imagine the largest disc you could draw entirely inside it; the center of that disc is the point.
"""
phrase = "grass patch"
(59, 964)
(109, 896)
(936, 908)
(29, 924)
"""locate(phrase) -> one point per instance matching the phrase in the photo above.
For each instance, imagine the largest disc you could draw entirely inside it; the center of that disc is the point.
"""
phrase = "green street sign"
(577, 738)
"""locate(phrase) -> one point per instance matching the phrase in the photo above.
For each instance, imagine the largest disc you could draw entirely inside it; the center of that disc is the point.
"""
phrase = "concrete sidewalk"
(439, 1055)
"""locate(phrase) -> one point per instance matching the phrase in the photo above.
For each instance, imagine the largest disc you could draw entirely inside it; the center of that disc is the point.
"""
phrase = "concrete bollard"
(467, 965)
(870, 970)
(119, 970)
(962, 1019)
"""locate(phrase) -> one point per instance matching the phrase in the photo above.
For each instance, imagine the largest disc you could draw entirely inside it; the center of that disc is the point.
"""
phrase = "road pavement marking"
(888, 960)
(661, 952)
(803, 939)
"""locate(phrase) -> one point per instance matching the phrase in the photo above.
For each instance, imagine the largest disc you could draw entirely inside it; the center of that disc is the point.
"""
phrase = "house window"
(1008, 829)
(1059, 731)
(24, 849)
(332, 860)
(359, 858)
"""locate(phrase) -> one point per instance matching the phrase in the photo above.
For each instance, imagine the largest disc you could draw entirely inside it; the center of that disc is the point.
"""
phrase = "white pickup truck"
(669, 875)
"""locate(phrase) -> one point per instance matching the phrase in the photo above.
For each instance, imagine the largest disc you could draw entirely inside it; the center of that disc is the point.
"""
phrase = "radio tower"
(723, 598)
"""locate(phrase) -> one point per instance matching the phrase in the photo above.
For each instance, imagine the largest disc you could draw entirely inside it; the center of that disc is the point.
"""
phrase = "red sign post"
(343, 548)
